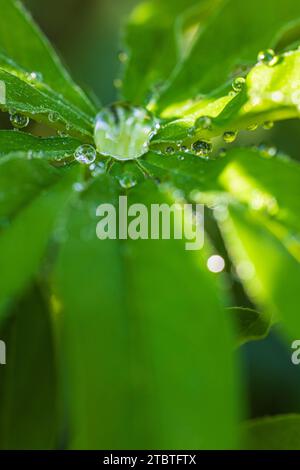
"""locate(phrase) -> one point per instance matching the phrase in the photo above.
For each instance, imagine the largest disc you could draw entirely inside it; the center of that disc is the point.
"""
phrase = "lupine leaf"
(28, 386)
(42, 104)
(211, 61)
(269, 94)
(160, 371)
(155, 47)
(25, 44)
(250, 324)
(50, 148)
(31, 229)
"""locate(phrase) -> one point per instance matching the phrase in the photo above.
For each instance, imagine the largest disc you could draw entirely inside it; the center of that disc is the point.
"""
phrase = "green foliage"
(273, 433)
(145, 335)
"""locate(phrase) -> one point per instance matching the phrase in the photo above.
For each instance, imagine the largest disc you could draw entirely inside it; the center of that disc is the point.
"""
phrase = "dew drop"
(118, 83)
(222, 153)
(85, 154)
(238, 84)
(230, 136)
(123, 57)
(252, 127)
(268, 57)
(268, 125)
(268, 151)
(19, 121)
(204, 122)
(124, 132)
(99, 169)
(35, 76)
(180, 157)
(202, 148)
(53, 117)
(127, 181)
(170, 150)
(78, 187)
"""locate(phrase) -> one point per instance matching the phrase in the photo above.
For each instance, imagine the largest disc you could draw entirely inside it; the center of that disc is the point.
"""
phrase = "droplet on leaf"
(127, 181)
(238, 84)
(230, 136)
(268, 57)
(124, 132)
(202, 148)
(85, 154)
(19, 121)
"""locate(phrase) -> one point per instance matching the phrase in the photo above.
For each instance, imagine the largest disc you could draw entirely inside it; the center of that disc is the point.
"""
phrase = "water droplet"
(99, 169)
(180, 157)
(35, 76)
(191, 131)
(123, 131)
(277, 96)
(127, 181)
(216, 264)
(268, 151)
(53, 117)
(230, 136)
(203, 122)
(202, 148)
(268, 57)
(222, 153)
(85, 154)
(268, 125)
(170, 150)
(123, 57)
(183, 148)
(118, 83)
(78, 187)
(19, 121)
(245, 270)
(238, 84)
(252, 127)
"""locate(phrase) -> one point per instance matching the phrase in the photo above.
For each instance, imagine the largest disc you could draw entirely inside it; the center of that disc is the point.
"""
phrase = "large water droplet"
(268, 57)
(124, 132)
(19, 121)
(85, 154)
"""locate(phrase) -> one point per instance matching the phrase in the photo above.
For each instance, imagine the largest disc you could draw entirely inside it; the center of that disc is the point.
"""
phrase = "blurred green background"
(87, 36)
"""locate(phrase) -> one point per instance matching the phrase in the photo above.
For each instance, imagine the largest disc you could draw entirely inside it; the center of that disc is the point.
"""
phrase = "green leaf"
(24, 43)
(268, 267)
(141, 366)
(155, 46)
(270, 94)
(28, 385)
(271, 185)
(30, 229)
(229, 40)
(30, 177)
(272, 433)
(41, 103)
(52, 148)
(250, 325)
